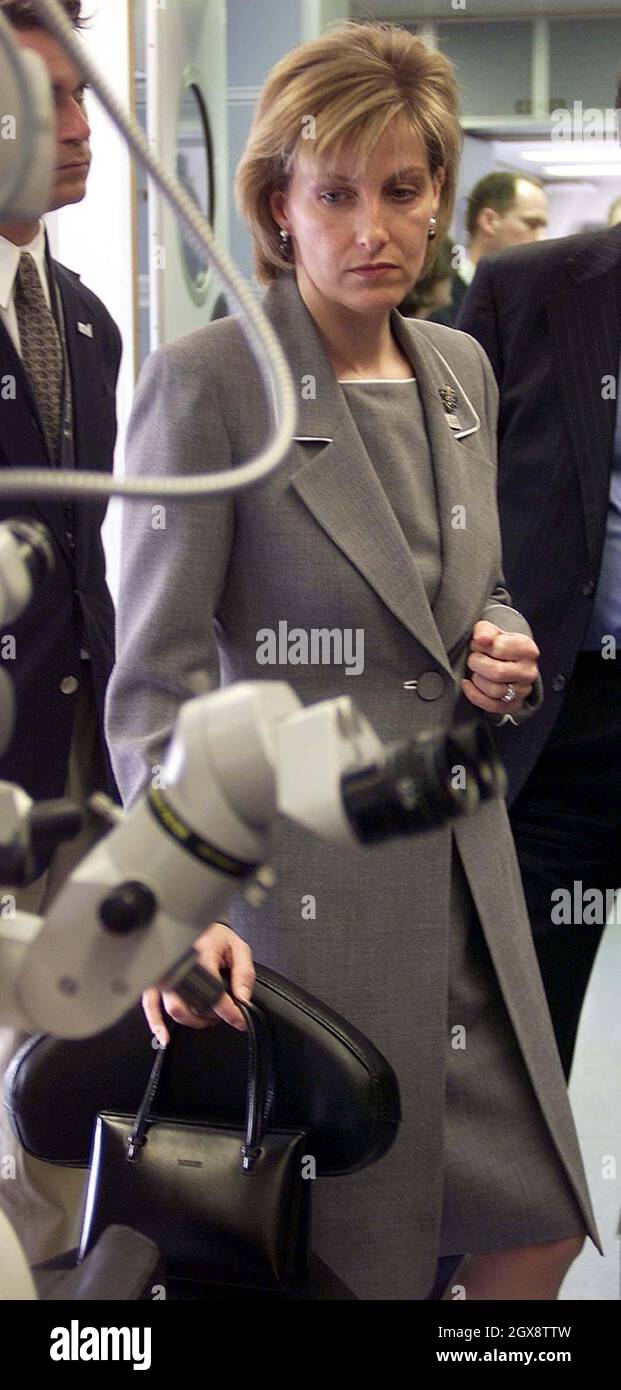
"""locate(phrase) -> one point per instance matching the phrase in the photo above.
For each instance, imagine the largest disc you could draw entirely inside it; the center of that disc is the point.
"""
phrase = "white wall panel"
(186, 46)
(95, 237)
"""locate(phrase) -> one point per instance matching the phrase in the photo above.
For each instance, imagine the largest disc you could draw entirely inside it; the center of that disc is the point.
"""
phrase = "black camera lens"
(422, 783)
(474, 744)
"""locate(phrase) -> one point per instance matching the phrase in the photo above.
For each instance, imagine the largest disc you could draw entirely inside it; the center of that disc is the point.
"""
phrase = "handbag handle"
(259, 1089)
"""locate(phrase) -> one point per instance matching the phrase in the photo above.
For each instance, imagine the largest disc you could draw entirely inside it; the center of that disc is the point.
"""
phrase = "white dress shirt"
(9, 263)
(467, 271)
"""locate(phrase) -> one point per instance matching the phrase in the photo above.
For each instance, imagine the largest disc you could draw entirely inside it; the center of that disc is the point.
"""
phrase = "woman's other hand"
(498, 660)
(217, 949)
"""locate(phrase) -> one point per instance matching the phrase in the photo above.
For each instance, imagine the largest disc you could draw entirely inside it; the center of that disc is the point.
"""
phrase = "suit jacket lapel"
(343, 492)
(20, 436)
(340, 486)
(338, 483)
(22, 440)
(585, 325)
(466, 507)
(83, 364)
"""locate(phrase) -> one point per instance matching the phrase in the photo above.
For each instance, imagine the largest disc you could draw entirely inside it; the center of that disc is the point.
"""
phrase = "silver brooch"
(449, 398)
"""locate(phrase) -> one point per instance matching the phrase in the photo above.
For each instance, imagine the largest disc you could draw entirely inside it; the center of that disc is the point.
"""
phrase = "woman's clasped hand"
(498, 660)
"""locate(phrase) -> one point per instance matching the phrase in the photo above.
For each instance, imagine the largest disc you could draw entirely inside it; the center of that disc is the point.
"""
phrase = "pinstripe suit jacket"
(319, 547)
(549, 318)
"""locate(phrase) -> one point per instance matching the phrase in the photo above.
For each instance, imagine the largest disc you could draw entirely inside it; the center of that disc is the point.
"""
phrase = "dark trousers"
(567, 827)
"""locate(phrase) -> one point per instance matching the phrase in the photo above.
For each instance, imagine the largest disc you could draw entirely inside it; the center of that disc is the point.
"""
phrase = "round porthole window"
(195, 173)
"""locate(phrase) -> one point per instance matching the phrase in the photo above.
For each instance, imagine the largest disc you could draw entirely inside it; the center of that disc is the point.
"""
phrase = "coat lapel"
(343, 492)
(466, 490)
(84, 363)
(339, 484)
(336, 479)
(22, 440)
(585, 325)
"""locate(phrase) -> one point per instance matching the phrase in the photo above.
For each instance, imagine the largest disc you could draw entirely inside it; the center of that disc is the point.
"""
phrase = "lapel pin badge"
(450, 401)
(86, 329)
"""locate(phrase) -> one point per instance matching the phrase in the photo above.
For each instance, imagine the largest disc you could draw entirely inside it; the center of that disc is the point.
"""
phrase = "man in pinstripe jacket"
(549, 318)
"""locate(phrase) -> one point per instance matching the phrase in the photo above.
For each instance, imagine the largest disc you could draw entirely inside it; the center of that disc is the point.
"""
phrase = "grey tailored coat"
(318, 546)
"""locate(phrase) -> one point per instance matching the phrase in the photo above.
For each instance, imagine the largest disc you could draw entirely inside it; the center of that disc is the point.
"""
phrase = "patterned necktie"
(42, 353)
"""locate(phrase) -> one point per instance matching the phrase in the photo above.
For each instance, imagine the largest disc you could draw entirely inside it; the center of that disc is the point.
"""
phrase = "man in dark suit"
(549, 318)
(504, 209)
(59, 360)
(48, 320)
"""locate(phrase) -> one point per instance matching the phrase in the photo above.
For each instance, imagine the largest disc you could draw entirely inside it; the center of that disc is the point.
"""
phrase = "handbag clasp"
(249, 1155)
(135, 1142)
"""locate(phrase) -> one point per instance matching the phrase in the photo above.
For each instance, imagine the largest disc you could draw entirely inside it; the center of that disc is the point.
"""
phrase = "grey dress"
(503, 1183)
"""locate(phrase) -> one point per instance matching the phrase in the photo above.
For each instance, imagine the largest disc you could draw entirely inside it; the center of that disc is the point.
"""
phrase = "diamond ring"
(510, 695)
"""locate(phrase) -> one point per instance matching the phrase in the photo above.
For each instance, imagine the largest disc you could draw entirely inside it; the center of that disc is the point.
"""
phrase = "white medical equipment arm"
(130, 911)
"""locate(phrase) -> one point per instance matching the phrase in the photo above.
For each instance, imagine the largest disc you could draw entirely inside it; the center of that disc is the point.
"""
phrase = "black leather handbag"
(223, 1206)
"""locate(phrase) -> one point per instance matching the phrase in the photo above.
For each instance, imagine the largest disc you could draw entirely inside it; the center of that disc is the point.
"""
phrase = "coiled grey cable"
(42, 482)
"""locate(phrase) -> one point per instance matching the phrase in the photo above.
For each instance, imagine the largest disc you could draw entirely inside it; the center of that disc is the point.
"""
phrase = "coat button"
(68, 685)
(588, 588)
(559, 682)
(431, 685)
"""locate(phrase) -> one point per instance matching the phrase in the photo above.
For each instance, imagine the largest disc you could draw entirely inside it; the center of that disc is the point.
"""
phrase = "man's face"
(526, 221)
(73, 131)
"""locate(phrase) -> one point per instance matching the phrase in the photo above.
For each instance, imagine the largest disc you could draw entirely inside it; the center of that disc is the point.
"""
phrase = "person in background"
(503, 210)
(433, 291)
(549, 319)
(421, 936)
(62, 349)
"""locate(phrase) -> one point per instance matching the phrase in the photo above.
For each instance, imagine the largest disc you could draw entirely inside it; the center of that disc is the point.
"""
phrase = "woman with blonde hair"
(382, 522)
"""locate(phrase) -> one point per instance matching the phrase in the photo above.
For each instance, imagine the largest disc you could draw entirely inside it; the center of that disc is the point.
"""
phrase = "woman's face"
(342, 220)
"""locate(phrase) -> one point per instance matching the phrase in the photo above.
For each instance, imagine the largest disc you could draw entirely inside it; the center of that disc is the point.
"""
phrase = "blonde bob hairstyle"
(344, 88)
